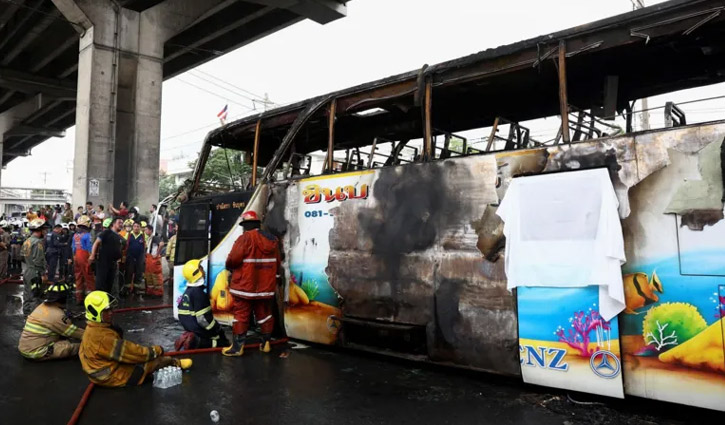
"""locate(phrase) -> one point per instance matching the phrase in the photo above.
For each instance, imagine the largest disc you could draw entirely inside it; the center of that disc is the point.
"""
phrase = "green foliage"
(311, 289)
(216, 170)
(678, 321)
(167, 186)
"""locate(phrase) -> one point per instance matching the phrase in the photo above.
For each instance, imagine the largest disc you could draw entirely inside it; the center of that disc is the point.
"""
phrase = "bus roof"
(663, 48)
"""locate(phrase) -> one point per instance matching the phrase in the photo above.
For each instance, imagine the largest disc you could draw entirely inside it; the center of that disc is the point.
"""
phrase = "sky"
(377, 39)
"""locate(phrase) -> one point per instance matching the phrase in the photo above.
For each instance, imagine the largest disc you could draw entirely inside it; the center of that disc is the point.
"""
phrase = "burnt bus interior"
(587, 77)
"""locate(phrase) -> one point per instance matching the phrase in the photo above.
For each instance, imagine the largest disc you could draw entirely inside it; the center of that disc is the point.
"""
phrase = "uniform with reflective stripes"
(195, 316)
(45, 334)
(254, 262)
(112, 361)
(33, 255)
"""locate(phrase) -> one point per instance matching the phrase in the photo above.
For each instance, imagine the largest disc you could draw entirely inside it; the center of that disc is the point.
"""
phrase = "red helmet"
(250, 216)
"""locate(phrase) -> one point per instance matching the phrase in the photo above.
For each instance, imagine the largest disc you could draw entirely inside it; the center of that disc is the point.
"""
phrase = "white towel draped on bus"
(563, 230)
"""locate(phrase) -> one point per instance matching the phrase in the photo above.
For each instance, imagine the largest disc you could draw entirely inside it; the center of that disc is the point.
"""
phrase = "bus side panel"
(409, 248)
(672, 330)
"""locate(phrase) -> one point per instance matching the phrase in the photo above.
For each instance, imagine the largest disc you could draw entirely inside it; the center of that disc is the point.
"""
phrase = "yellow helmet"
(192, 271)
(96, 302)
(143, 224)
(36, 224)
(84, 220)
(128, 222)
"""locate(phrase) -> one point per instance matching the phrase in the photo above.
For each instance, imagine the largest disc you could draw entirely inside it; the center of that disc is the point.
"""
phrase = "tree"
(218, 165)
(167, 186)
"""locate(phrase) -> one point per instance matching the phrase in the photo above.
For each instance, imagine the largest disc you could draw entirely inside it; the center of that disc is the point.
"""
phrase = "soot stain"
(413, 205)
(274, 220)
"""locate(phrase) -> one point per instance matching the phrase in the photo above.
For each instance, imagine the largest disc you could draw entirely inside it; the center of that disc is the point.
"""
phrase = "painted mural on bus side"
(565, 343)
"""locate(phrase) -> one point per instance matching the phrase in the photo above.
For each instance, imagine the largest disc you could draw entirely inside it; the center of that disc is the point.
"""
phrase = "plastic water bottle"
(214, 416)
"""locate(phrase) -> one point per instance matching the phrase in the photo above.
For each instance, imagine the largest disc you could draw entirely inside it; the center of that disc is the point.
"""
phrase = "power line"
(228, 83)
(215, 94)
(221, 87)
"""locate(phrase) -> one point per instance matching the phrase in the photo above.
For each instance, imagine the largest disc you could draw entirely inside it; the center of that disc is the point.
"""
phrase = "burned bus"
(388, 211)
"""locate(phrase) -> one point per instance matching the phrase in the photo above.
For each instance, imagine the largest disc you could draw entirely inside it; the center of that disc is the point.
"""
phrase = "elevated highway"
(99, 64)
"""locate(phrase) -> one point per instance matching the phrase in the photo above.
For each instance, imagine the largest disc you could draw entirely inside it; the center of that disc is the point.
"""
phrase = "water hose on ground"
(89, 389)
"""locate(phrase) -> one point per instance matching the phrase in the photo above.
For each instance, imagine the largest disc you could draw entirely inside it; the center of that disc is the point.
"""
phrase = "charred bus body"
(394, 245)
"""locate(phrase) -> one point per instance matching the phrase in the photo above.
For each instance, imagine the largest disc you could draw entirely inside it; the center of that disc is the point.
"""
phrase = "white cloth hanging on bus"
(563, 230)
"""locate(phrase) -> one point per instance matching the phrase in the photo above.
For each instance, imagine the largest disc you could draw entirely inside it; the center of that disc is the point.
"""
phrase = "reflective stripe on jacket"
(108, 359)
(43, 328)
(254, 261)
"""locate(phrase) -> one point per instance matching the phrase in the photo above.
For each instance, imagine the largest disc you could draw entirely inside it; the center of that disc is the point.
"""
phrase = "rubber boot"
(237, 347)
(185, 364)
(265, 346)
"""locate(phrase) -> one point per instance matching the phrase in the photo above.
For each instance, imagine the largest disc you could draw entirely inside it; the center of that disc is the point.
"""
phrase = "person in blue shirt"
(195, 315)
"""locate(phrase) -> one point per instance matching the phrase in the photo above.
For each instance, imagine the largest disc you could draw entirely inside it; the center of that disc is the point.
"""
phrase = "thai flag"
(222, 115)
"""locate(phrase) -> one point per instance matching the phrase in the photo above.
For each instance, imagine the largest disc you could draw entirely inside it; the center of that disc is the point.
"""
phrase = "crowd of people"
(127, 242)
(132, 258)
(86, 258)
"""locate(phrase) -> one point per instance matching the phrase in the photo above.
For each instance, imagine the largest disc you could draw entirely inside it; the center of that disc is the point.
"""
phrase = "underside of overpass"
(99, 64)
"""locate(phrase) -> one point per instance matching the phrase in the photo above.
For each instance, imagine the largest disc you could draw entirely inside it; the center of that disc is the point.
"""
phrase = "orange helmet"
(250, 216)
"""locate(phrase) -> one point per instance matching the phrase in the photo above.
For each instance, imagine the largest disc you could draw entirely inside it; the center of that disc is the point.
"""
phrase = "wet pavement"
(296, 384)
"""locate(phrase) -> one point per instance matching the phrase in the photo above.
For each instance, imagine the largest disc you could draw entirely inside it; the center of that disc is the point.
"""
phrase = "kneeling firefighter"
(47, 330)
(195, 314)
(107, 358)
(254, 262)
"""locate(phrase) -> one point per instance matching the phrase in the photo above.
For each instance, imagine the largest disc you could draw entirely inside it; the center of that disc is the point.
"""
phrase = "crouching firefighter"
(253, 262)
(47, 330)
(195, 314)
(107, 358)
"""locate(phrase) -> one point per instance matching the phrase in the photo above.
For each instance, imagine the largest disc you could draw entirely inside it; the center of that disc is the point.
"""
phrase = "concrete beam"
(28, 130)
(73, 13)
(320, 11)
(29, 37)
(219, 31)
(10, 10)
(33, 84)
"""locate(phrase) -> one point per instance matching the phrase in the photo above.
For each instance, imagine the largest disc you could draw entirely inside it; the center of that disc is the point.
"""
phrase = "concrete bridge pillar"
(118, 112)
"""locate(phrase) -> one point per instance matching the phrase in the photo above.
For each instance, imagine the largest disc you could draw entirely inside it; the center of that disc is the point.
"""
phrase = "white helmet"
(64, 225)
(3, 224)
(72, 223)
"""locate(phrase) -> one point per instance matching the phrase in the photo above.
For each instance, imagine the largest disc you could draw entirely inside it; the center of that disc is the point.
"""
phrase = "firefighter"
(195, 314)
(34, 270)
(53, 248)
(127, 228)
(66, 254)
(107, 358)
(4, 248)
(135, 254)
(48, 328)
(153, 272)
(82, 246)
(253, 262)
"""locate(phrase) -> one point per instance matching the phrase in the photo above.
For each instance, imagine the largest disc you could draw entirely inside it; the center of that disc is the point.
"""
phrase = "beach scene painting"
(312, 310)
(565, 343)
(672, 330)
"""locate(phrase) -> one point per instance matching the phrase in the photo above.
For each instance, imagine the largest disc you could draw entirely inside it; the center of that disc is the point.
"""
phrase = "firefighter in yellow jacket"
(47, 330)
(107, 358)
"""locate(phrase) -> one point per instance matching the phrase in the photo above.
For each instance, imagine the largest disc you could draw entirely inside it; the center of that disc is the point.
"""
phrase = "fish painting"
(639, 291)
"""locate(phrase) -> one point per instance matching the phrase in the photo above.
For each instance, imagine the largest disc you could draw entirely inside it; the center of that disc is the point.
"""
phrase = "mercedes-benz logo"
(605, 364)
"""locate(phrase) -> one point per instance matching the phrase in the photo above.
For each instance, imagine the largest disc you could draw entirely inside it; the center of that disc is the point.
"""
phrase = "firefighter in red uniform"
(254, 263)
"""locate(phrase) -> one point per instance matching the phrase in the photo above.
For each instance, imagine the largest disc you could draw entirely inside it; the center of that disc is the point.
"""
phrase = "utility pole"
(639, 4)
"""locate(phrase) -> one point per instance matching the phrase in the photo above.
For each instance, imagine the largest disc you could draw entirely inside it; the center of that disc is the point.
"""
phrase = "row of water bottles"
(167, 377)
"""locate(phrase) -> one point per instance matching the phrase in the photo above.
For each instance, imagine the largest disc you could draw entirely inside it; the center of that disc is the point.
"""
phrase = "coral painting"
(582, 325)
(669, 324)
